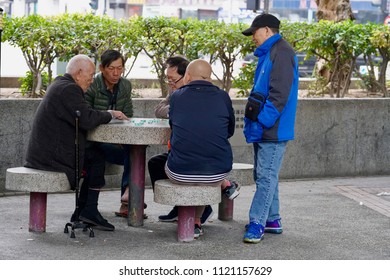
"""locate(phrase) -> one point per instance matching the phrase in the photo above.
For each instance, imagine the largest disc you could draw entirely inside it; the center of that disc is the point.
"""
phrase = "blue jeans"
(268, 157)
(118, 154)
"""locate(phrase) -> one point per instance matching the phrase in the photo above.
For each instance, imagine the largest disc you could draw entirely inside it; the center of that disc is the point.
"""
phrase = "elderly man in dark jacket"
(52, 139)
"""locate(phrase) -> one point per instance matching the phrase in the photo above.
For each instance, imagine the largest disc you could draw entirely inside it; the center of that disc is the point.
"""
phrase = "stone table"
(138, 133)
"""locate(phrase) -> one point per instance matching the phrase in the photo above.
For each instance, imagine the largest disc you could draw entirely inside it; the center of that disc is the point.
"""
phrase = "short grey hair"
(77, 62)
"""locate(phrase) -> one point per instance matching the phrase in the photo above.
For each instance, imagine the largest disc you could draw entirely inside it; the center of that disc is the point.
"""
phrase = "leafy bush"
(44, 39)
(244, 81)
(27, 83)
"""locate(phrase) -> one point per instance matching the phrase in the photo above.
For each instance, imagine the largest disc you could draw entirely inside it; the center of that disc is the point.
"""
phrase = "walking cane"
(77, 223)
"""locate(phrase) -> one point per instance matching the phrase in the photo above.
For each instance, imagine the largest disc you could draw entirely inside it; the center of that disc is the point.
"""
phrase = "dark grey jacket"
(99, 97)
(52, 141)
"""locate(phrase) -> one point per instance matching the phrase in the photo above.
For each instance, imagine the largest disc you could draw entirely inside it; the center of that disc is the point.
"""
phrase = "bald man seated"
(202, 120)
(198, 70)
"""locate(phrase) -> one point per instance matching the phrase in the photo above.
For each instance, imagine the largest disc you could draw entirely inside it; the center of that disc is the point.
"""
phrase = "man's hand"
(118, 115)
(253, 131)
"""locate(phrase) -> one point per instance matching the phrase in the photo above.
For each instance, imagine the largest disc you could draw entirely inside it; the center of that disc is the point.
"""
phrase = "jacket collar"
(200, 82)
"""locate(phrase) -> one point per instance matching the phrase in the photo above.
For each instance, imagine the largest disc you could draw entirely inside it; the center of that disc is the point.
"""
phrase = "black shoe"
(95, 218)
(171, 217)
(207, 214)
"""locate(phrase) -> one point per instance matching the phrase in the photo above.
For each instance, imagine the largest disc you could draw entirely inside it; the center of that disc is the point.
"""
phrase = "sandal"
(125, 203)
(124, 214)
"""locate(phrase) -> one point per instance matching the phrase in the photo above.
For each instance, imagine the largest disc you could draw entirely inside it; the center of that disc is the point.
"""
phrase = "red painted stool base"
(225, 209)
(38, 203)
(185, 223)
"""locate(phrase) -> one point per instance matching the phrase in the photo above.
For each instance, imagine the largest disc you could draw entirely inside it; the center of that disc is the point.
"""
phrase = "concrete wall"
(334, 137)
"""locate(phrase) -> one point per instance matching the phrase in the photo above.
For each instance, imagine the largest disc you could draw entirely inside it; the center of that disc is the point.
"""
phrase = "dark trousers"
(94, 169)
(156, 166)
(117, 154)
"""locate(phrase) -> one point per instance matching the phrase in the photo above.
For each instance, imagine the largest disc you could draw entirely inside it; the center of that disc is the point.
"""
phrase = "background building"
(226, 10)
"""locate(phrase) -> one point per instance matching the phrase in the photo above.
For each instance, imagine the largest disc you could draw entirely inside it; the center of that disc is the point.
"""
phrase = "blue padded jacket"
(276, 79)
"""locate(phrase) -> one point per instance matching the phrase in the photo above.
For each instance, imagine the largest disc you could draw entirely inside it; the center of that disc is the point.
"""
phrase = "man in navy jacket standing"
(269, 121)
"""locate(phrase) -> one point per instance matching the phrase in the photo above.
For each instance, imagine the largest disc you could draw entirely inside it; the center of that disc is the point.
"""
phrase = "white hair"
(80, 61)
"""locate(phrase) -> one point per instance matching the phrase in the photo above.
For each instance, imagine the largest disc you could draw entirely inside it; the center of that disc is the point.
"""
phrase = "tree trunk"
(382, 77)
(334, 10)
(326, 9)
(38, 77)
(339, 76)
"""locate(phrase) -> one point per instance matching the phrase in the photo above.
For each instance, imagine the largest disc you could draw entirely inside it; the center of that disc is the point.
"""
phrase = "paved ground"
(332, 219)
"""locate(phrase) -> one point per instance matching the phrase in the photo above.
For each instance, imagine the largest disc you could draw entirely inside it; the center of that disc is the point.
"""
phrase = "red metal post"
(38, 202)
(137, 186)
(225, 209)
(185, 223)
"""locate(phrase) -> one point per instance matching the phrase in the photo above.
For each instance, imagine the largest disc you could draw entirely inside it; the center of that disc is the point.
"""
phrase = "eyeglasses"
(173, 82)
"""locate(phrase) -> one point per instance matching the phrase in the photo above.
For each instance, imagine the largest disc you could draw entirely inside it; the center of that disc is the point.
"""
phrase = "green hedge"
(45, 38)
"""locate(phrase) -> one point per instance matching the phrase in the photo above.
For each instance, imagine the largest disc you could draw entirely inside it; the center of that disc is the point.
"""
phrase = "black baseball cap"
(262, 21)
